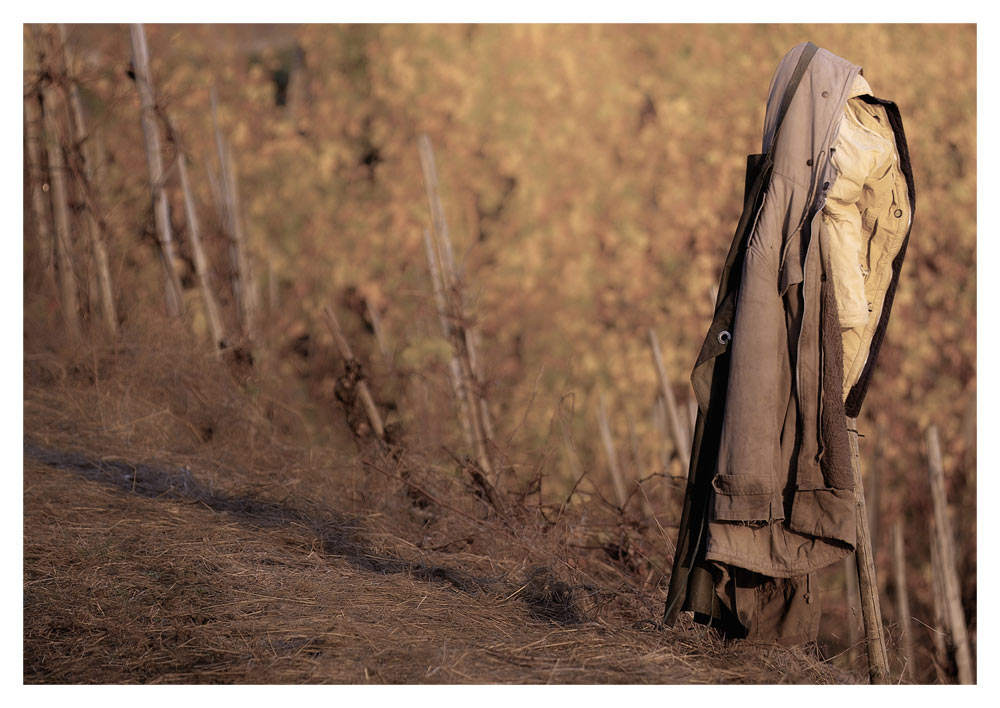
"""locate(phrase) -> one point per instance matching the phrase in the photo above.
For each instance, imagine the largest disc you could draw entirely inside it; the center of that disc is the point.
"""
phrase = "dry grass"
(158, 552)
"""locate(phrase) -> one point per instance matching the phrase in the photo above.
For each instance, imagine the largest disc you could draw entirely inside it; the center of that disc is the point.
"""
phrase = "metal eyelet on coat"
(725, 337)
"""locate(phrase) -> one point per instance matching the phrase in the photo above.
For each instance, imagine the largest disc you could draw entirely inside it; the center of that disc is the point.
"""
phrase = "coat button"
(724, 337)
(809, 162)
(898, 213)
(870, 308)
(826, 186)
(825, 94)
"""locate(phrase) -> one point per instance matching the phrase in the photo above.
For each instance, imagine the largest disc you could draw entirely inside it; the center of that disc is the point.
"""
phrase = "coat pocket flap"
(825, 513)
(741, 497)
(741, 484)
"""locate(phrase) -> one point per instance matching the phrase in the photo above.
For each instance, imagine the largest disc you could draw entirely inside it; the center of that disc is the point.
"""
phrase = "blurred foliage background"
(592, 177)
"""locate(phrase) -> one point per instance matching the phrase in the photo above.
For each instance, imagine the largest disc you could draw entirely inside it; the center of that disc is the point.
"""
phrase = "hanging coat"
(770, 496)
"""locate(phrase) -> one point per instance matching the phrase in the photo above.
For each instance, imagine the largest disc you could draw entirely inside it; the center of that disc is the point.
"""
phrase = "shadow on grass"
(545, 596)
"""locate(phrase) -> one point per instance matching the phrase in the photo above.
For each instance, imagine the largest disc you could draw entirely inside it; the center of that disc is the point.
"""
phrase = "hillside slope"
(157, 553)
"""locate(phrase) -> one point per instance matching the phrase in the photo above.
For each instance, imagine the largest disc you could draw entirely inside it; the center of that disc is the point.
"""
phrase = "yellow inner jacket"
(864, 219)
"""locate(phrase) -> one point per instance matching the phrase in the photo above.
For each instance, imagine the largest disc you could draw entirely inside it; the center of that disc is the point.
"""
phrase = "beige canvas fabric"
(865, 222)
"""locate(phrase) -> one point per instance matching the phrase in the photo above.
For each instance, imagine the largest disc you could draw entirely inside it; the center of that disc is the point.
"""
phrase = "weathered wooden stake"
(454, 367)
(873, 494)
(660, 426)
(871, 612)
(902, 599)
(37, 184)
(853, 598)
(94, 236)
(201, 266)
(154, 162)
(60, 214)
(463, 340)
(609, 447)
(226, 190)
(345, 352)
(946, 548)
(682, 439)
(473, 342)
(940, 631)
(248, 290)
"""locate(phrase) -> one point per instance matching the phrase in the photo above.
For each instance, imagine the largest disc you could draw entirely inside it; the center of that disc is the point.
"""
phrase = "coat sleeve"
(745, 485)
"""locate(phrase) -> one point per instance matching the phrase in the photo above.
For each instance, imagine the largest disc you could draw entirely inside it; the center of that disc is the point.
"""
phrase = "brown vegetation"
(590, 176)
(173, 534)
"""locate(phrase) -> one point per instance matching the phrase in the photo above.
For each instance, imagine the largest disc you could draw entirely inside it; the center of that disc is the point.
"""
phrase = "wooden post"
(873, 496)
(660, 426)
(60, 213)
(345, 352)
(878, 662)
(37, 185)
(225, 212)
(248, 284)
(200, 261)
(902, 599)
(852, 595)
(682, 440)
(949, 575)
(609, 448)
(463, 341)
(226, 190)
(940, 630)
(454, 367)
(94, 235)
(154, 162)
(473, 343)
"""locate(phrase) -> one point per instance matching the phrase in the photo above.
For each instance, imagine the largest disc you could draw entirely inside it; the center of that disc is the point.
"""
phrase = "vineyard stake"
(902, 598)
(946, 553)
(878, 663)
(94, 236)
(154, 162)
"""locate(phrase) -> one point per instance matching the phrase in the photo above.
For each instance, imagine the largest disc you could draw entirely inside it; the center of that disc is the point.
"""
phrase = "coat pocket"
(741, 497)
(825, 513)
